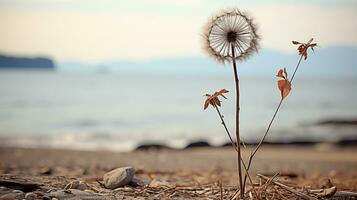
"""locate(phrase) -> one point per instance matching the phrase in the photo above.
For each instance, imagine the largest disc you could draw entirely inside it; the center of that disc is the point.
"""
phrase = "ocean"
(119, 111)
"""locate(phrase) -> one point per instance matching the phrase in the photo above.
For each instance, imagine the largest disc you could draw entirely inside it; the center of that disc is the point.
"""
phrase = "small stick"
(292, 190)
(236, 194)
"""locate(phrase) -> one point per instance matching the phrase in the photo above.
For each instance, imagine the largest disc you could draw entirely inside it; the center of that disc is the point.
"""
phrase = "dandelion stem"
(270, 123)
(236, 80)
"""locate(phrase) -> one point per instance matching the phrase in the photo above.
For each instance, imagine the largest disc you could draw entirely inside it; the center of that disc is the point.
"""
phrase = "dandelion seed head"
(231, 30)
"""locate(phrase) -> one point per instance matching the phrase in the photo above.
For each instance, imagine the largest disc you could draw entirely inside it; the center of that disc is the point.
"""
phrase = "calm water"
(118, 111)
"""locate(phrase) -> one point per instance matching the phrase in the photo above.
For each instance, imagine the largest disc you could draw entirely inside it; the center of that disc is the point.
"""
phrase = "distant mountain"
(25, 63)
(325, 62)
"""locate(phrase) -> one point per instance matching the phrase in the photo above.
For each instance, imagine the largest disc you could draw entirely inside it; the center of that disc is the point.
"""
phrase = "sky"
(102, 30)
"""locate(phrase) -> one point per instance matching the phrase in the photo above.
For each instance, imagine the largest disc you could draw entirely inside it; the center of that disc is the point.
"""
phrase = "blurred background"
(114, 74)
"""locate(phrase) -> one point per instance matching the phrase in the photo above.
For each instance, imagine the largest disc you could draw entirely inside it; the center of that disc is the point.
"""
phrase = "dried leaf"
(213, 99)
(221, 92)
(280, 74)
(206, 104)
(284, 87)
(216, 102)
(303, 47)
(312, 46)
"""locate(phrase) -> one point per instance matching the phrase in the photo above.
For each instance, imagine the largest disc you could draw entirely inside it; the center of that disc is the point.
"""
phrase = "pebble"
(4, 190)
(118, 177)
(10, 194)
(13, 195)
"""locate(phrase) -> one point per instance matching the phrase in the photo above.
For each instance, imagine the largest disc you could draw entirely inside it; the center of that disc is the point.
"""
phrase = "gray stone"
(15, 194)
(118, 177)
(4, 190)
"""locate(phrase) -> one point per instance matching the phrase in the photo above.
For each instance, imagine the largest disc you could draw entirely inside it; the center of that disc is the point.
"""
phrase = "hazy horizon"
(98, 31)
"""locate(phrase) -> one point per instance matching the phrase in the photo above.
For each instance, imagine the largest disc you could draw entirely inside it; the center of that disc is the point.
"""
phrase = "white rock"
(118, 177)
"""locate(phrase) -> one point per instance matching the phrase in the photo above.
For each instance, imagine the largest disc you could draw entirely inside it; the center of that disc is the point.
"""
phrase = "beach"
(308, 166)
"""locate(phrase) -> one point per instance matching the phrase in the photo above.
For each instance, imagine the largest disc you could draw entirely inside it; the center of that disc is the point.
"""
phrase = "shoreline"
(298, 159)
(350, 142)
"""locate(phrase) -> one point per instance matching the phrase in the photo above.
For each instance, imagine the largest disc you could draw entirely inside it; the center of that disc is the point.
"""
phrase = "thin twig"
(292, 190)
(235, 195)
(225, 127)
(296, 68)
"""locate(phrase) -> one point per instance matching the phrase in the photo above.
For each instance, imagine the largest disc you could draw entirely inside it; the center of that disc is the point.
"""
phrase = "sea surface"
(118, 111)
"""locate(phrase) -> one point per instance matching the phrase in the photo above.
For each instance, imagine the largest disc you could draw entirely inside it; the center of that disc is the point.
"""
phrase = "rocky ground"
(322, 171)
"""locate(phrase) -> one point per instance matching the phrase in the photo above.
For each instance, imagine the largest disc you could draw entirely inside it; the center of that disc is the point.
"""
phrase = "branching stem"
(225, 127)
(270, 123)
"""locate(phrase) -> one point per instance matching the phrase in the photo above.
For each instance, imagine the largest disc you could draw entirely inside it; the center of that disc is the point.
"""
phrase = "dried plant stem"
(296, 68)
(225, 127)
(235, 148)
(270, 123)
(236, 80)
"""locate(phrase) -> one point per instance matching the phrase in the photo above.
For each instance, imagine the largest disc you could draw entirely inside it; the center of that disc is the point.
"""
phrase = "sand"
(305, 166)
